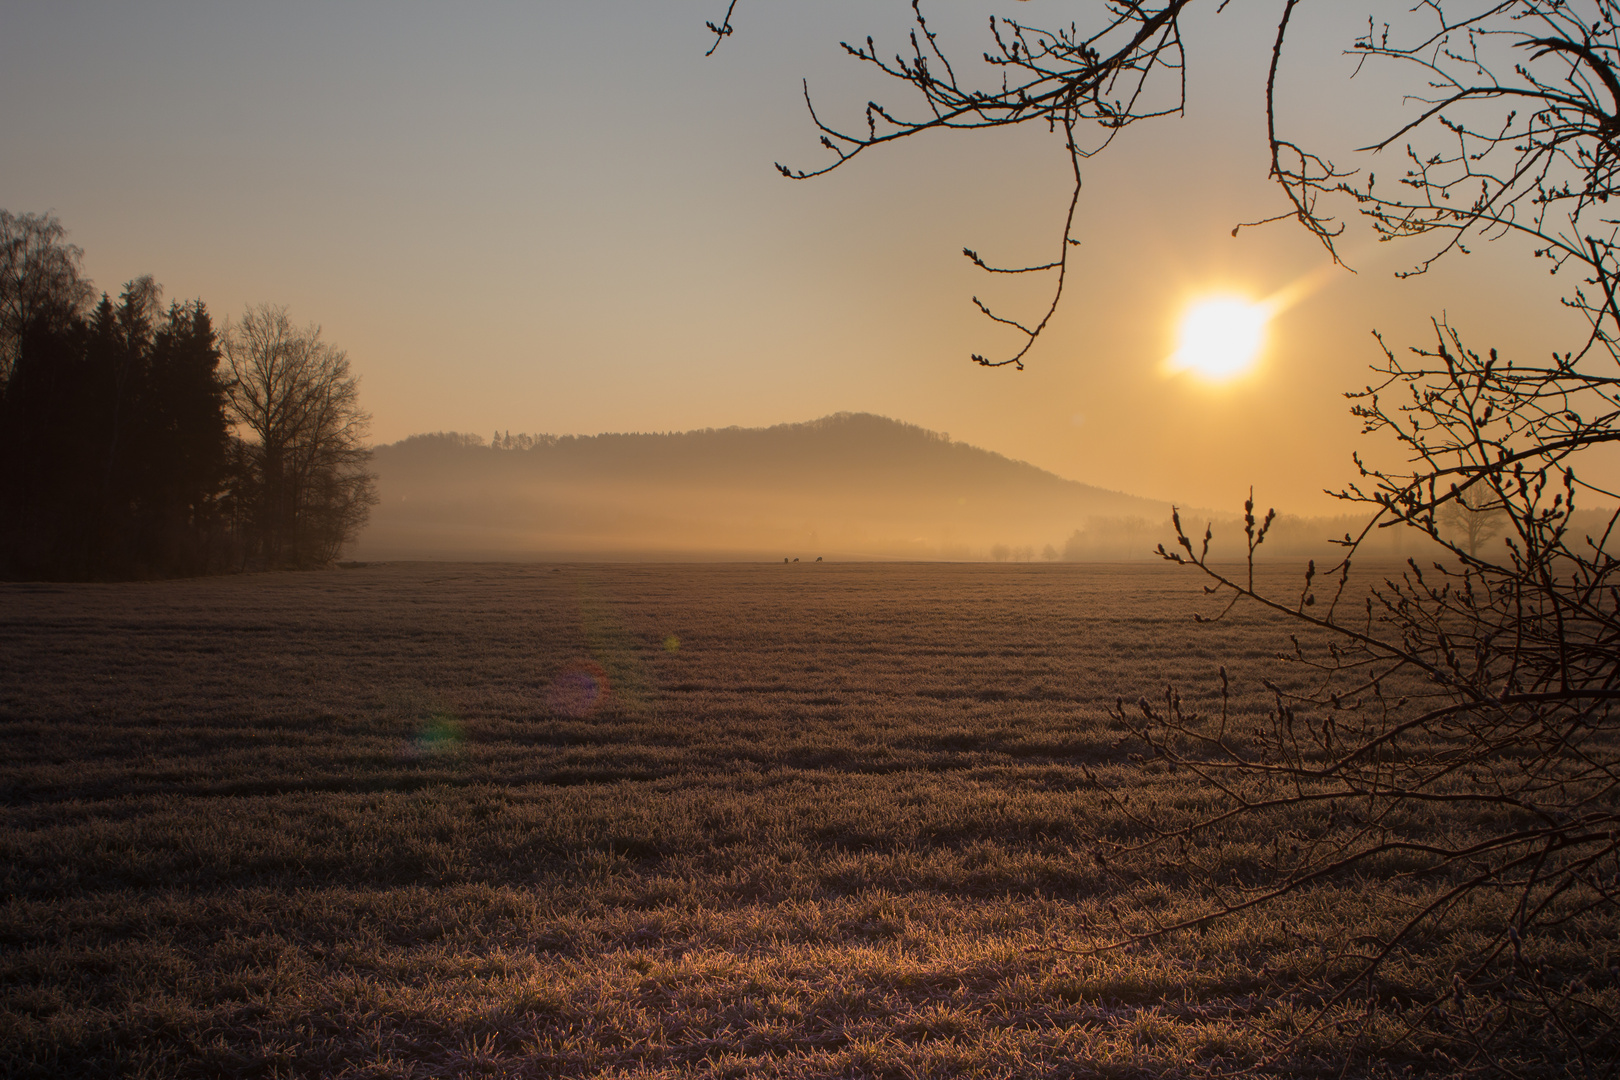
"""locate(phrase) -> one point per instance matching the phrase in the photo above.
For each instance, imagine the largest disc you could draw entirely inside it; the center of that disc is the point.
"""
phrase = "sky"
(559, 216)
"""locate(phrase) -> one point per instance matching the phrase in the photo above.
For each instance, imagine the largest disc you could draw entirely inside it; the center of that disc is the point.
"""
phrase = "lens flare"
(442, 734)
(1221, 337)
(578, 691)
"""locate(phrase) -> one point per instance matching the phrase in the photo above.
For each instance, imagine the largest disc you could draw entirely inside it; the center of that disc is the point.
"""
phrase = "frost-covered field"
(687, 820)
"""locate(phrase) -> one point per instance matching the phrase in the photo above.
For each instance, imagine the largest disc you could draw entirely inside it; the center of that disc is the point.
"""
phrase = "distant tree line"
(138, 441)
(520, 441)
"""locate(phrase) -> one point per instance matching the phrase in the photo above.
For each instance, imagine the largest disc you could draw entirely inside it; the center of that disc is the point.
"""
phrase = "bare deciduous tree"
(39, 280)
(293, 394)
(1473, 518)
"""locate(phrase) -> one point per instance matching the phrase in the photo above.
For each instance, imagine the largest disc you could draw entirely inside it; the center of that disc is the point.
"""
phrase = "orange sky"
(559, 217)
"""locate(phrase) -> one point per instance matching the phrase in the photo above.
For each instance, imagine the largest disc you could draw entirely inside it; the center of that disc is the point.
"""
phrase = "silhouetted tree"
(42, 303)
(1472, 518)
(118, 358)
(305, 453)
(178, 448)
(114, 437)
(1485, 684)
(40, 285)
(49, 453)
(116, 452)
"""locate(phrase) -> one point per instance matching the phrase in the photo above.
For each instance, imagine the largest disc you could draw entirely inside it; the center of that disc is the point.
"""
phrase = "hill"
(845, 486)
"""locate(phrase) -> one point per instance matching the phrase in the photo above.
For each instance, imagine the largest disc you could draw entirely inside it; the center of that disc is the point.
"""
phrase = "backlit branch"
(1483, 678)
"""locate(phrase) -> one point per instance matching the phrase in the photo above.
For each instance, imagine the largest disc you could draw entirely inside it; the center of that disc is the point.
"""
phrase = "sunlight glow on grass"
(1220, 337)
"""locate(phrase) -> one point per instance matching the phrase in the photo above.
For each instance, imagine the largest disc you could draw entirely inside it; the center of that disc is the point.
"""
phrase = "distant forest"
(139, 441)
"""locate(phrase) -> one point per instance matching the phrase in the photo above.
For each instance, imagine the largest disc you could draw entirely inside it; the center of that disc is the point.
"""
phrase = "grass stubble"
(635, 821)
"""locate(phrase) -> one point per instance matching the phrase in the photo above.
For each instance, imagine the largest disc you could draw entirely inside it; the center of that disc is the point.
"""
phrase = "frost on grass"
(346, 823)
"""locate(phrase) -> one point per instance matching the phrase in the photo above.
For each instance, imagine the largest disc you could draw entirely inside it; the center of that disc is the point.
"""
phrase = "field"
(746, 820)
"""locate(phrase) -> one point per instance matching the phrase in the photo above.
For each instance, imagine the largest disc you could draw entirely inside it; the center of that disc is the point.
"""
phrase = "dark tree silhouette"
(114, 437)
(115, 433)
(306, 491)
(40, 284)
(1473, 519)
(1484, 684)
(181, 443)
(42, 299)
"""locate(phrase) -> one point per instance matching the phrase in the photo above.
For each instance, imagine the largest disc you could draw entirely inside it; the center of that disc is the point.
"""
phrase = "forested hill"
(849, 485)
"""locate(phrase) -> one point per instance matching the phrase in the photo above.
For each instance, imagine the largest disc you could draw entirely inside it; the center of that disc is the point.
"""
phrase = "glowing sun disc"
(1220, 337)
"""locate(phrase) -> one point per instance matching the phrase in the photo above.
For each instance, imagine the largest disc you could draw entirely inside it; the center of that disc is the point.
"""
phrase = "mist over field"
(844, 486)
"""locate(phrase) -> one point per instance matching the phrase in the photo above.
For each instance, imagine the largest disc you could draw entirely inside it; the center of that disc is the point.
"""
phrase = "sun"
(1221, 337)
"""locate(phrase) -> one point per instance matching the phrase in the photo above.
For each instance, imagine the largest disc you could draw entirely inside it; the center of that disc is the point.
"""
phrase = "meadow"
(636, 821)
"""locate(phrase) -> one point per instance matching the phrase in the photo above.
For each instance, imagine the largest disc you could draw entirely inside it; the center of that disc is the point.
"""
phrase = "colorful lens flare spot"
(442, 734)
(672, 644)
(578, 691)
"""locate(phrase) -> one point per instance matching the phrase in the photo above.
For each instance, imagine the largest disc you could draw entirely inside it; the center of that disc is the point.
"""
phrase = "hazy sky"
(558, 216)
